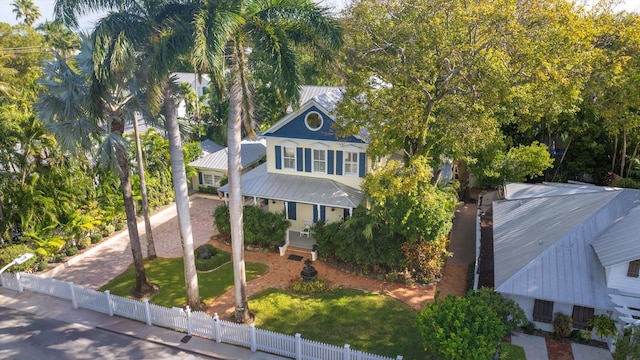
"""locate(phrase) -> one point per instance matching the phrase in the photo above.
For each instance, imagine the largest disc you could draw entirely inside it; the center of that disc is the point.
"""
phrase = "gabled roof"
(527, 191)
(304, 189)
(543, 244)
(251, 152)
(620, 243)
(209, 147)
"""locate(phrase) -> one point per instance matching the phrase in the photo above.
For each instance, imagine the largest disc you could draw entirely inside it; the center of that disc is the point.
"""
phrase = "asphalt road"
(27, 336)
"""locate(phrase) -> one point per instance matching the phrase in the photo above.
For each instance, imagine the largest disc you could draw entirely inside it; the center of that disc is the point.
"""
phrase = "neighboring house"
(213, 163)
(310, 174)
(198, 85)
(568, 248)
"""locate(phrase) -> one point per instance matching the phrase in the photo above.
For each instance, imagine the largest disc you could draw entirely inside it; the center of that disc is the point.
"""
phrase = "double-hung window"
(320, 161)
(207, 179)
(289, 158)
(350, 163)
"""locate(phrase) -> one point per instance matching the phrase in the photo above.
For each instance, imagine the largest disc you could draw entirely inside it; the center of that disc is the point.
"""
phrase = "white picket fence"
(191, 322)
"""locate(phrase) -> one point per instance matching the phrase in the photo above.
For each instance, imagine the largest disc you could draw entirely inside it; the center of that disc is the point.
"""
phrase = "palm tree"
(271, 28)
(26, 9)
(160, 31)
(80, 108)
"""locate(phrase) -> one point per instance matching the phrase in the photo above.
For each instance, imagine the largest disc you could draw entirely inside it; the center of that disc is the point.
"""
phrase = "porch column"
(255, 201)
(350, 212)
(318, 212)
(286, 209)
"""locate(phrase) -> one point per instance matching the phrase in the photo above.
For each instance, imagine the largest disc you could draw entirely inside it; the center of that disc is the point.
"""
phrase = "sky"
(46, 9)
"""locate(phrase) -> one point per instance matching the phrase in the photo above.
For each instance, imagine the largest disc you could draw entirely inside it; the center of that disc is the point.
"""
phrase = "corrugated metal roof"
(303, 189)
(308, 92)
(251, 151)
(620, 243)
(527, 191)
(209, 147)
(542, 246)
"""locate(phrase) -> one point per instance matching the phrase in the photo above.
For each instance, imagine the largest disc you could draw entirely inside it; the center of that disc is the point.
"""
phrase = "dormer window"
(313, 121)
(634, 269)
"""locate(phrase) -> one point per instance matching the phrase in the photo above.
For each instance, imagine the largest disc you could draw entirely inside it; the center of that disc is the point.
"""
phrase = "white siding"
(618, 279)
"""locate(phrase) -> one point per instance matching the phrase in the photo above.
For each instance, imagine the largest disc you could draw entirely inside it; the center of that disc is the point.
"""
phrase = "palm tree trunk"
(182, 197)
(151, 247)
(143, 287)
(234, 136)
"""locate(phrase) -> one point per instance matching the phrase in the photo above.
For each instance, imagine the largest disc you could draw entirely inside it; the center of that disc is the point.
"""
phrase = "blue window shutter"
(299, 159)
(292, 210)
(278, 157)
(362, 164)
(199, 178)
(314, 210)
(338, 162)
(330, 162)
(323, 213)
(307, 160)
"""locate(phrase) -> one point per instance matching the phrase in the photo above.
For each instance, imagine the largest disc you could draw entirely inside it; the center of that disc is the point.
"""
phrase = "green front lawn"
(169, 275)
(368, 322)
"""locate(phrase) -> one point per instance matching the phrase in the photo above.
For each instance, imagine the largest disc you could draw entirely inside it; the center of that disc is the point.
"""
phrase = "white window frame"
(285, 158)
(210, 178)
(314, 160)
(307, 124)
(356, 163)
(216, 180)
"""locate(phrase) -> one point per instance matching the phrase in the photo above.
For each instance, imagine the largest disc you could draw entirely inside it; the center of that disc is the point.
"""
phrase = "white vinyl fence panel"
(92, 300)
(197, 323)
(276, 343)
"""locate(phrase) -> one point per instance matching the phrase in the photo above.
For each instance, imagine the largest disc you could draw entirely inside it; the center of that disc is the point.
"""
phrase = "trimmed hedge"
(95, 238)
(216, 259)
(261, 228)
(11, 252)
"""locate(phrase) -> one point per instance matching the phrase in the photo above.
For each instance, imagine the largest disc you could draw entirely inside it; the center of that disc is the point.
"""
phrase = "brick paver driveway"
(111, 257)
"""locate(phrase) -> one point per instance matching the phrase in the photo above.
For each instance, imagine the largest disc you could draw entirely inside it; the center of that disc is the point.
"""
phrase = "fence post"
(399, 357)
(346, 355)
(20, 289)
(216, 328)
(252, 330)
(74, 301)
(147, 311)
(298, 346)
(189, 326)
(109, 305)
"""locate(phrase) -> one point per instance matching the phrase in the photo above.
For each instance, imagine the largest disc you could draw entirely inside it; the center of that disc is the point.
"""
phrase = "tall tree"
(27, 10)
(160, 31)
(438, 77)
(81, 109)
(272, 28)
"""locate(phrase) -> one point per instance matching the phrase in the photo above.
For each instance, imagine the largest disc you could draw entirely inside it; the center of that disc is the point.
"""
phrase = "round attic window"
(313, 120)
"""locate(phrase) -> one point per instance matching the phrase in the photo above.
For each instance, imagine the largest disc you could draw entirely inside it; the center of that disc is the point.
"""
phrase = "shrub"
(628, 183)
(221, 219)
(562, 325)
(452, 326)
(58, 258)
(426, 259)
(261, 228)
(42, 265)
(119, 226)
(508, 311)
(577, 335)
(603, 325)
(84, 242)
(628, 344)
(72, 250)
(224, 180)
(309, 287)
(95, 238)
(529, 327)
(208, 189)
(470, 276)
(11, 252)
(215, 257)
(108, 230)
